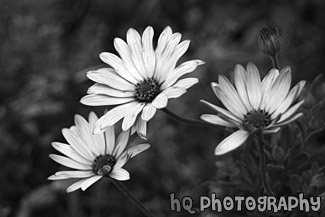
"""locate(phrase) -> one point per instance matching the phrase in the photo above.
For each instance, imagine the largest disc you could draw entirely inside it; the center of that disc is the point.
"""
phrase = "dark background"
(48, 46)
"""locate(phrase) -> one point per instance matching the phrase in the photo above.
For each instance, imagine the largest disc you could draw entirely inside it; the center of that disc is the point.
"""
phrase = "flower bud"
(269, 41)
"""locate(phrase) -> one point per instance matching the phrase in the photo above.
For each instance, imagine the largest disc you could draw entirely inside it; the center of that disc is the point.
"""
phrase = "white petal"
(88, 182)
(126, 56)
(86, 134)
(137, 149)
(149, 58)
(160, 101)
(186, 83)
(73, 138)
(98, 140)
(69, 162)
(227, 101)
(131, 116)
(229, 92)
(174, 57)
(215, 119)
(68, 151)
(121, 142)
(148, 112)
(163, 38)
(75, 186)
(254, 88)
(273, 130)
(109, 77)
(286, 102)
(110, 139)
(301, 87)
(223, 112)
(174, 92)
(181, 70)
(113, 116)
(279, 90)
(267, 83)
(141, 128)
(232, 142)
(288, 120)
(240, 83)
(117, 64)
(106, 90)
(102, 100)
(120, 174)
(134, 41)
(71, 174)
(163, 63)
(292, 110)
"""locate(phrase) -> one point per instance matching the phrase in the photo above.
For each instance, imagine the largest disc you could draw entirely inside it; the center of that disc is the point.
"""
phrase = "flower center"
(103, 164)
(147, 90)
(257, 118)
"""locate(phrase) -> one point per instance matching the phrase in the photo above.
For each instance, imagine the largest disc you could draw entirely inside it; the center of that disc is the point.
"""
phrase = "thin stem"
(131, 197)
(190, 121)
(261, 153)
(275, 61)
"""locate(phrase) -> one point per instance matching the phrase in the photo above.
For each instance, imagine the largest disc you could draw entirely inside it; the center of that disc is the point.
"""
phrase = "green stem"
(261, 153)
(190, 121)
(275, 62)
(131, 197)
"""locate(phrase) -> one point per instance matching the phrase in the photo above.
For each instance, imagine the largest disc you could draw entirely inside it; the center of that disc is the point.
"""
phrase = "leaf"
(318, 87)
(295, 183)
(298, 161)
(278, 154)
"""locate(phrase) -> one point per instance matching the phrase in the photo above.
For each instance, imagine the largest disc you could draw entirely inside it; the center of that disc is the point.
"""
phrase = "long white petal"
(134, 41)
(223, 112)
(279, 90)
(68, 151)
(181, 70)
(148, 112)
(141, 128)
(113, 116)
(120, 174)
(110, 139)
(163, 64)
(106, 90)
(292, 110)
(240, 83)
(173, 92)
(149, 58)
(88, 182)
(69, 162)
(232, 142)
(126, 56)
(267, 83)
(186, 83)
(109, 77)
(273, 130)
(215, 119)
(231, 94)
(121, 142)
(137, 149)
(102, 100)
(71, 174)
(75, 186)
(131, 116)
(254, 88)
(73, 138)
(162, 40)
(160, 101)
(98, 140)
(288, 120)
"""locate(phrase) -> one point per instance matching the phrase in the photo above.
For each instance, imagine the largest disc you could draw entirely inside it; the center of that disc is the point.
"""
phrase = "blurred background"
(48, 46)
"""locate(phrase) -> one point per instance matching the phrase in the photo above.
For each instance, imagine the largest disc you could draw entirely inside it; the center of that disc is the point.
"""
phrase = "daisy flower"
(252, 104)
(93, 156)
(141, 80)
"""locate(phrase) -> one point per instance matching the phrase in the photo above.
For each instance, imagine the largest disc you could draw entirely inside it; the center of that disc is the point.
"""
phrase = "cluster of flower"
(142, 80)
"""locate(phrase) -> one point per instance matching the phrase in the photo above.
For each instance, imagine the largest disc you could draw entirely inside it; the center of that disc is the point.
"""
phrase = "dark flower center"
(103, 164)
(147, 90)
(257, 118)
